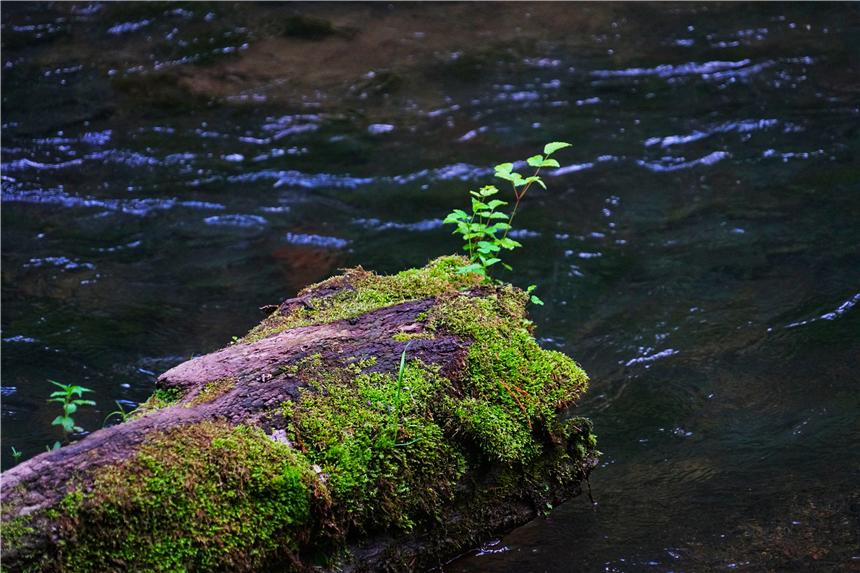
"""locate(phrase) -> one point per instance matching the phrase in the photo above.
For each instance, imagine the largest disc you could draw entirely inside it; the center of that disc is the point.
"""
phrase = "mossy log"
(309, 445)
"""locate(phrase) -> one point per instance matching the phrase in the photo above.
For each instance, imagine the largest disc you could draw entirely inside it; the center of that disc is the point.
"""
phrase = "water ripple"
(668, 164)
(834, 314)
(315, 240)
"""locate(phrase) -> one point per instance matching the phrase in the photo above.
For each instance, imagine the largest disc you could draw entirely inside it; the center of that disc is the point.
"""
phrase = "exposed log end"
(306, 445)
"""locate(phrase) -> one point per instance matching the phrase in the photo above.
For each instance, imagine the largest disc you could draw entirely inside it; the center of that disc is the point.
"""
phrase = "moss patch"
(366, 292)
(201, 497)
(386, 459)
(407, 336)
(513, 388)
(161, 398)
(211, 391)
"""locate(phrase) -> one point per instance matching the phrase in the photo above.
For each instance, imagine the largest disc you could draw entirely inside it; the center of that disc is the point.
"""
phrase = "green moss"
(366, 292)
(14, 529)
(161, 398)
(407, 336)
(499, 434)
(387, 462)
(201, 496)
(211, 391)
(513, 386)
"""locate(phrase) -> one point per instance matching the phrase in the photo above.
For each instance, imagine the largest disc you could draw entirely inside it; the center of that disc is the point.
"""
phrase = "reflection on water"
(168, 169)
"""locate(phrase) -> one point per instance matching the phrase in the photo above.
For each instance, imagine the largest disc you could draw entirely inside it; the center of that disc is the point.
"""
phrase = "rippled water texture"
(168, 169)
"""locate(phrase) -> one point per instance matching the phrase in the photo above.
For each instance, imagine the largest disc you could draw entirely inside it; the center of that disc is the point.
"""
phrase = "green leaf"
(70, 408)
(504, 168)
(554, 146)
(65, 421)
(57, 445)
(530, 288)
(496, 203)
(84, 402)
(473, 268)
(500, 227)
(535, 160)
(488, 247)
(517, 180)
(478, 205)
(509, 243)
(455, 216)
(507, 266)
(488, 190)
(536, 300)
(549, 163)
(536, 179)
(498, 215)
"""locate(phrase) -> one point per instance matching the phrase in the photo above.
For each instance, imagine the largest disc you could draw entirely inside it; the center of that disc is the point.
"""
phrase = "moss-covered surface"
(357, 453)
(201, 496)
(386, 456)
(513, 386)
(365, 292)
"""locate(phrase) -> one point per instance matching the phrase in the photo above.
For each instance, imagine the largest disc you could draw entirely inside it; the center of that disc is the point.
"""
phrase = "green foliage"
(485, 230)
(70, 396)
(16, 454)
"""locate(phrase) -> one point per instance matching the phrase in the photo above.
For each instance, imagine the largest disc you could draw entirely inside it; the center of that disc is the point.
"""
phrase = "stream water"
(168, 169)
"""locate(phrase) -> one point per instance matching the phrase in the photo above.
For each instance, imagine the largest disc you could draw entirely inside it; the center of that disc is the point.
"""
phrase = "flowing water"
(168, 169)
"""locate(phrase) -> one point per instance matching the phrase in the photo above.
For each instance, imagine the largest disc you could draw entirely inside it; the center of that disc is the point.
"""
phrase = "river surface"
(168, 169)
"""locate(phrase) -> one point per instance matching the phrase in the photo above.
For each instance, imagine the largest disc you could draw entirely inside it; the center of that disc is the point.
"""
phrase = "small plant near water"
(119, 413)
(16, 454)
(70, 396)
(485, 231)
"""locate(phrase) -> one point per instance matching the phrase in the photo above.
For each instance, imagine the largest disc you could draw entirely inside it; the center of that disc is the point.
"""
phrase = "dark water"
(170, 168)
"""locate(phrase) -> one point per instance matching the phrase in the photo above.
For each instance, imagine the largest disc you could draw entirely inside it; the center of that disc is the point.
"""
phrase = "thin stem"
(519, 197)
(471, 247)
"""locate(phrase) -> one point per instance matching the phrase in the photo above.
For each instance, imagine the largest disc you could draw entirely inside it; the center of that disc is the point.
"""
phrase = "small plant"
(70, 396)
(485, 231)
(16, 454)
(397, 407)
(119, 413)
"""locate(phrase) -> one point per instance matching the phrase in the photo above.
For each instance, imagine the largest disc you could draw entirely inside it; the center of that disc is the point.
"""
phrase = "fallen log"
(371, 423)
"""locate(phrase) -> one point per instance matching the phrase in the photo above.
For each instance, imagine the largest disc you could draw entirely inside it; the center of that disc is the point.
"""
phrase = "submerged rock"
(315, 443)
